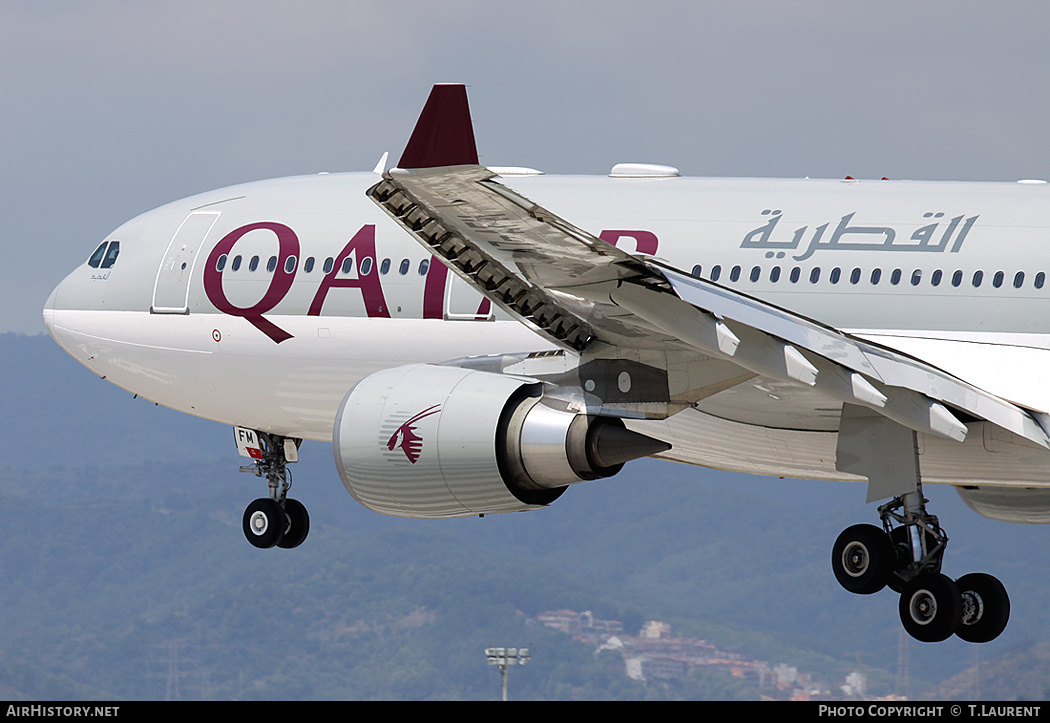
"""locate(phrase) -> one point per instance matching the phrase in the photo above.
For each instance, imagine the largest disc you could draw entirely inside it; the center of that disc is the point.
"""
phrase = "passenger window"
(366, 266)
(835, 273)
(978, 277)
(774, 274)
(1018, 279)
(895, 277)
(385, 266)
(220, 264)
(309, 266)
(96, 258)
(854, 276)
(997, 280)
(111, 254)
(795, 274)
(916, 277)
(424, 266)
(756, 272)
(348, 265)
(289, 264)
(405, 264)
(814, 275)
(734, 275)
(696, 270)
(936, 278)
(1040, 279)
(253, 264)
(236, 263)
(271, 265)
(876, 276)
(716, 271)
(957, 277)
(329, 264)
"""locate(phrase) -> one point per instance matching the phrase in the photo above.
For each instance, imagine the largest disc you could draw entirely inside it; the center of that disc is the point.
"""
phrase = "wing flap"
(913, 389)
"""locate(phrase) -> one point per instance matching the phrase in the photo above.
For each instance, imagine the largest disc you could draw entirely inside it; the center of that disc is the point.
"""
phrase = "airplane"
(474, 340)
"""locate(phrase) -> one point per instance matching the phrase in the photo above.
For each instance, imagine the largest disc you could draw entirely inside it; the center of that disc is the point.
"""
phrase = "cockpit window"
(96, 258)
(111, 254)
(105, 255)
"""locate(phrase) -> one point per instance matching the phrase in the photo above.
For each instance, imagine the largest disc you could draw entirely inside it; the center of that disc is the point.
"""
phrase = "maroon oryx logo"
(406, 438)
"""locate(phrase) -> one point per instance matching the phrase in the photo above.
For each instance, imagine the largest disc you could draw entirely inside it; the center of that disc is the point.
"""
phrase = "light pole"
(504, 657)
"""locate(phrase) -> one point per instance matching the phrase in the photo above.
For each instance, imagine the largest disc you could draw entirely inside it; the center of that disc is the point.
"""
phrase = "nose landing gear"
(276, 520)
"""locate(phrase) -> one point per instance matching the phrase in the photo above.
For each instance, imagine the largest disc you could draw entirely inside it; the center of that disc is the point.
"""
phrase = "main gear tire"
(931, 607)
(863, 559)
(986, 607)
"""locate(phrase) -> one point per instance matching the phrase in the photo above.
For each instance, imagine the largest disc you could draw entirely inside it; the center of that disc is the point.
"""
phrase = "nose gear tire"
(298, 524)
(264, 522)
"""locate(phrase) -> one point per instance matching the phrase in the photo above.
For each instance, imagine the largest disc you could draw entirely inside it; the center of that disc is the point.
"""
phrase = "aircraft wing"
(585, 294)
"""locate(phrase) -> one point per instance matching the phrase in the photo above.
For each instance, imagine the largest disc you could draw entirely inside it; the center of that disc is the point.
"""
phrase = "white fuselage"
(194, 315)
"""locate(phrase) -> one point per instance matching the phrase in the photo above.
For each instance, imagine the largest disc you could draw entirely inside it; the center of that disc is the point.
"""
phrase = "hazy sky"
(108, 109)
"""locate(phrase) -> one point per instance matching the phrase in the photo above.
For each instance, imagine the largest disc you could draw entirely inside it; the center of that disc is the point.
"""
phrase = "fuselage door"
(464, 303)
(172, 288)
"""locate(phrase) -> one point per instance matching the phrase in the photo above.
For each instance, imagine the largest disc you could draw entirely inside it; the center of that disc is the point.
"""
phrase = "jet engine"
(442, 441)
(1010, 504)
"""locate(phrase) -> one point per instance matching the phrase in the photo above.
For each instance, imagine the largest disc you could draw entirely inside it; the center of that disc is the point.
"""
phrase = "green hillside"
(153, 599)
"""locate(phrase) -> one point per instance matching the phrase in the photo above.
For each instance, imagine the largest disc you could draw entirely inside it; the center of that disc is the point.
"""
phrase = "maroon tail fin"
(444, 135)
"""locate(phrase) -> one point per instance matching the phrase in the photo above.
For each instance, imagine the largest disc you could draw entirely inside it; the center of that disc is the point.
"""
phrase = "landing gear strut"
(906, 555)
(275, 520)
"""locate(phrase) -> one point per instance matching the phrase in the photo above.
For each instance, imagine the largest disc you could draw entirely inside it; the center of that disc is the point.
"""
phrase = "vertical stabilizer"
(444, 135)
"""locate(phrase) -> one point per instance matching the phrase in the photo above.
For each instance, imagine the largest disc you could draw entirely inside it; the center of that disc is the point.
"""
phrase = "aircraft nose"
(49, 311)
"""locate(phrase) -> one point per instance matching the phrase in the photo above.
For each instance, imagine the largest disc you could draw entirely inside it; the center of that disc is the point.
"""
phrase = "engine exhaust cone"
(610, 445)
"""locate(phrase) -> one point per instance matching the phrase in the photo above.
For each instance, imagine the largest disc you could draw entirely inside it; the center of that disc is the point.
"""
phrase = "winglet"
(444, 135)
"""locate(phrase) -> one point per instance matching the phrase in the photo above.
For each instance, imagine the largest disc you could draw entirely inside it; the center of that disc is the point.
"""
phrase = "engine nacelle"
(437, 441)
(1009, 504)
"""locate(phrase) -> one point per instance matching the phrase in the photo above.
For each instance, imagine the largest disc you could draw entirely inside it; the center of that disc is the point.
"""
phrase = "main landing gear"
(905, 554)
(275, 520)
